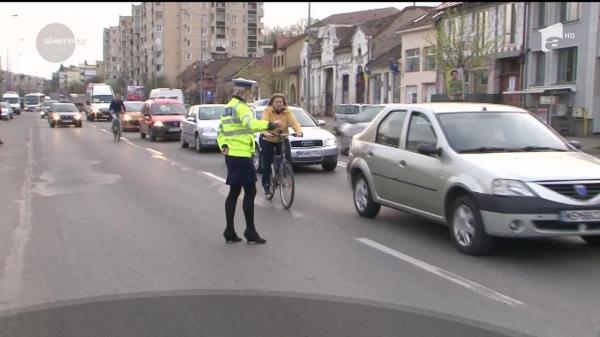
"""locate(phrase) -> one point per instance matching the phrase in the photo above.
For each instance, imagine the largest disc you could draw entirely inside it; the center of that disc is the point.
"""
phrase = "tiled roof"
(384, 59)
(291, 40)
(357, 17)
(344, 35)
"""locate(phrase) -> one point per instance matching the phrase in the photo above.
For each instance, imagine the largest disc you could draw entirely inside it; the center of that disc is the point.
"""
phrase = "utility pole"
(308, 70)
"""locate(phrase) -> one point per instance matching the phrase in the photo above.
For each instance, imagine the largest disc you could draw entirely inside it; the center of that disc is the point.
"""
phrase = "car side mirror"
(190, 119)
(576, 144)
(429, 150)
(322, 122)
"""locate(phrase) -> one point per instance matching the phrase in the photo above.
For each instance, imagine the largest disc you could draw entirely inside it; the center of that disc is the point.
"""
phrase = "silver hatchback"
(484, 170)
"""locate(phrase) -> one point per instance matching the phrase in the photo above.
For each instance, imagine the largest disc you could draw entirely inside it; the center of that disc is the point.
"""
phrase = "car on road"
(46, 107)
(33, 101)
(317, 146)
(200, 126)
(133, 113)
(64, 114)
(161, 118)
(13, 99)
(167, 93)
(260, 103)
(346, 130)
(6, 111)
(484, 170)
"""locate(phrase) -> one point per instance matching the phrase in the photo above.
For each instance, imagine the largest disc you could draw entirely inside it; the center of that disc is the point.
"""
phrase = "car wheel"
(467, 228)
(152, 137)
(197, 143)
(183, 142)
(593, 240)
(80, 125)
(363, 199)
(52, 125)
(329, 167)
(142, 135)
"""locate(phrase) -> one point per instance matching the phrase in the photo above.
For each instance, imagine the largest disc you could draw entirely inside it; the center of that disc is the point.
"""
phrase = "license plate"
(174, 129)
(304, 154)
(580, 216)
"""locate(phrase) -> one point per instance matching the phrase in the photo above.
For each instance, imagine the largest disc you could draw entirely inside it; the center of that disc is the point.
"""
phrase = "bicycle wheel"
(115, 132)
(274, 179)
(286, 185)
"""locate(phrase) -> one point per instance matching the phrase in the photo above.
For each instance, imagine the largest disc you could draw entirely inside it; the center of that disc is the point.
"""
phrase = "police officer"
(236, 140)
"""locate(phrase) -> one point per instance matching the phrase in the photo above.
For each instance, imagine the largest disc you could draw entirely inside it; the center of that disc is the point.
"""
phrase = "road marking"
(477, 288)
(342, 164)
(154, 151)
(125, 139)
(214, 176)
(103, 130)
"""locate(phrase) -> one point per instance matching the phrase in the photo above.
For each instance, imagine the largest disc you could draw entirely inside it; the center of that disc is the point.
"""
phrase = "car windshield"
(168, 109)
(498, 132)
(210, 113)
(32, 99)
(11, 100)
(134, 106)
(261, 102)
(48, 103)
(303, 118)
(102, 99)
(347, 109)
(64, 108)
(368, 113)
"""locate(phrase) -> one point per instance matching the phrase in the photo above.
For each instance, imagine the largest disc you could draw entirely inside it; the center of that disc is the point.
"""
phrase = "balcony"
(220, 36)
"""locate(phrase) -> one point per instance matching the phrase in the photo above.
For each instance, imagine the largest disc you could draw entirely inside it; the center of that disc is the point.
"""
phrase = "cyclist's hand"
(276, 124)
(225, 150)
(299, 135)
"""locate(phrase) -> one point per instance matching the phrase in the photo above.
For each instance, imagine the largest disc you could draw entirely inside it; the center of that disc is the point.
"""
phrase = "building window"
(233, 17)
(283, 60)
(188, 56)
(159, 28)
(204, 18)
(204, 43)
(540, 67)
(159, 15)
(569, 11)
(481, 81)
(386, 87)
(204, 31)
(233, 31)
(541, 14)
(233, 44)
(157, 3)
(377, 89)
(188, 30)
(412, 60)
(243, 19)
(428, 58)
(188, 43)
(567, 65)
(510, 23)
(411, 94)
(158, 67)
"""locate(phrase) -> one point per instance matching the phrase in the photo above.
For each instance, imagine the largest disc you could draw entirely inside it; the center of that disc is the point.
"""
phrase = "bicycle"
(282, 173)
(116, 127)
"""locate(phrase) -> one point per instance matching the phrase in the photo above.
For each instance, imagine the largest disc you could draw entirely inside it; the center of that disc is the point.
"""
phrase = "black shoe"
(254, 238)
(267, 189)
(231, 237)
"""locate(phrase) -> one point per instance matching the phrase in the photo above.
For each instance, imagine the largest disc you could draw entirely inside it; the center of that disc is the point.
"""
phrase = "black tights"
(248, 206)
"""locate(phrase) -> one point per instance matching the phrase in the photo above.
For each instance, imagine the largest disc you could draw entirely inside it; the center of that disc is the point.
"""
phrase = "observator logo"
(56, 42)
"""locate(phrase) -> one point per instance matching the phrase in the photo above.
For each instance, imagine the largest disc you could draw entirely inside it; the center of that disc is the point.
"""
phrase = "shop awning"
(570, 88)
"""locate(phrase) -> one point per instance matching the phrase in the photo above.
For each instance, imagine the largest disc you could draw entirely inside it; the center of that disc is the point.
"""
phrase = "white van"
(13, 99)
(167, 93)
(99, 97)
(33, 101)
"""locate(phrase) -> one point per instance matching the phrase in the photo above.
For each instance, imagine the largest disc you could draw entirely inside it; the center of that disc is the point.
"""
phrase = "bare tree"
(271, 33)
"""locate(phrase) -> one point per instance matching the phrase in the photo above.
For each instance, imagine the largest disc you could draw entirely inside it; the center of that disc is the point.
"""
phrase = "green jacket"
(237, 129)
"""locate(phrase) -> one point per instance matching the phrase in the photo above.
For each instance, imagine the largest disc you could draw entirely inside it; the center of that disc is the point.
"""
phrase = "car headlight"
(209, 131)
(158, 123)
(330, 142)
(55, 117)
(509, 187)
(77, 116)
(127, 118)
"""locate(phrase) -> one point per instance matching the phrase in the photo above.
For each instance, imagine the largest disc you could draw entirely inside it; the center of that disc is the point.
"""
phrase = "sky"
(87, 21)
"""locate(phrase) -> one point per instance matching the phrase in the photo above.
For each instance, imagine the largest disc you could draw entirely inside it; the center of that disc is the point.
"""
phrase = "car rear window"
(210, 113)
(347, 109)
(168, 109)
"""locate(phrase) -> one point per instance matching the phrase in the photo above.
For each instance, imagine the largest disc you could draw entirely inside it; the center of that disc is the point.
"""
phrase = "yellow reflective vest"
(237, 129)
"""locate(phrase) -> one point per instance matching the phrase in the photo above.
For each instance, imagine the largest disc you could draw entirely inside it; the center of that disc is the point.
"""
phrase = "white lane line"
(214, 176)
(477, 288)
(154, 151)
(125, 139)
(103, 130)
(342, 164)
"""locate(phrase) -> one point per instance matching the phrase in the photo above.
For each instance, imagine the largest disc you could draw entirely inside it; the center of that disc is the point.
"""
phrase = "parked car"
(260, 103)
(317, 146)
(200, 126)
(6, 111)
(484, 170)
(161, 118)
(64, 114)
(131, 120)
(356, 124)
(46, 107)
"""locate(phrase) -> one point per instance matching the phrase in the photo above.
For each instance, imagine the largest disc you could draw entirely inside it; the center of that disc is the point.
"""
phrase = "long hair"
(276, 96)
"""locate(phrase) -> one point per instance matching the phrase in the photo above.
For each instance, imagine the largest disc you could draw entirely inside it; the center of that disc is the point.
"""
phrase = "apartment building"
(111, 43)
(164, 38)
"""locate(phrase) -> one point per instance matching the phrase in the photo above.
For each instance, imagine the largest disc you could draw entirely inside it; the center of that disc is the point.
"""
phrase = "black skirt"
(240, 171)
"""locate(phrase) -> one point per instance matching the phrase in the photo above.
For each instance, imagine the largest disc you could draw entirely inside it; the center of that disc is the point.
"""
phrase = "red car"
(161, 118)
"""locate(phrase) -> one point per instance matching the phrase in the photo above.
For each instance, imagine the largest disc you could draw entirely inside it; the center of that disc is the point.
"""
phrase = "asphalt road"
(82, 216)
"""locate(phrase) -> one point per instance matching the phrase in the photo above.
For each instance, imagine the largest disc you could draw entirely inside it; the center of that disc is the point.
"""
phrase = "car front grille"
(307, 143)
(560, 226)
(171, 124)
(576, 191)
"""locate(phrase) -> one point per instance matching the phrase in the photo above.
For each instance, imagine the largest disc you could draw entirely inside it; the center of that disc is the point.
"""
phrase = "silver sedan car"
(484, 170)
(200, 126)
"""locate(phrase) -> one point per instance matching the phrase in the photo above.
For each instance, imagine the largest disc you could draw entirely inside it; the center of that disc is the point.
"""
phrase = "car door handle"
(402, 163)
(370, 154)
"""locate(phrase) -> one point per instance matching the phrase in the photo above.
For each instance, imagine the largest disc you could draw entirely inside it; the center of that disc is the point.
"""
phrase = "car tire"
(197, 143)
(152, 137)
(183, 143)
(329, 167)
(593, 240)
(466, 227)
(363, 198)
(142, 135)
(52, 125)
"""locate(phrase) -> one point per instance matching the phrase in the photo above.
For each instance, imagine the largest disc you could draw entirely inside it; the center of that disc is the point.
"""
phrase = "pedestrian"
(277, 109)
(236, 140)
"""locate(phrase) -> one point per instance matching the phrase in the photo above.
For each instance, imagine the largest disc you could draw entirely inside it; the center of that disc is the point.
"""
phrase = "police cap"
(244, 83)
